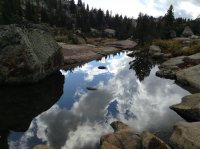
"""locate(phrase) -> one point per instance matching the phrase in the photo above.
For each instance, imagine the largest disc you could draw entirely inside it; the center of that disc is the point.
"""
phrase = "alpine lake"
(73, 108)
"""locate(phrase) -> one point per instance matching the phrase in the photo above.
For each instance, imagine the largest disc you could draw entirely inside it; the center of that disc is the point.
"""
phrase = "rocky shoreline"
(75, 55)
(185, 70)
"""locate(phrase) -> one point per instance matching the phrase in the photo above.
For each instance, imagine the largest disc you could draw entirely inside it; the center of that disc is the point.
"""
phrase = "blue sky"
(131, 8)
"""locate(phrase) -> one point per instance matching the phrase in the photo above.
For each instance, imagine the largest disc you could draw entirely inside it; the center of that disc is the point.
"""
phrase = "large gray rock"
(189, 108)
(186, 136)
(190, 77)
(27, 54)
(109, 32)
(187, 32)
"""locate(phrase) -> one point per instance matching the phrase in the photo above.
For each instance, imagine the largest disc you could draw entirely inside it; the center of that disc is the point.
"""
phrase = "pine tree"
(168, 22)
(72, 7)
(1, 13)
(87, 8)
(80, 4)
(169, 17)
(7, 11)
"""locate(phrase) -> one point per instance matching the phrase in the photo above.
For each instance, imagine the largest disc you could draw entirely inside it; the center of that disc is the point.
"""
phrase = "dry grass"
(178, 47)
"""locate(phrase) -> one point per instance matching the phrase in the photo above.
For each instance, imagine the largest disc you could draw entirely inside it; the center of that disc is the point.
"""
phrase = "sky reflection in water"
(80, 117)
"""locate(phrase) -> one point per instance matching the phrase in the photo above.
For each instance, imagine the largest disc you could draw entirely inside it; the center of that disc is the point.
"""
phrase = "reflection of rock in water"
(20, 104)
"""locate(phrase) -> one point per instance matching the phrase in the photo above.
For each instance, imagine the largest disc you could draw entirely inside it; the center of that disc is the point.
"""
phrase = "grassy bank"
(178, 47)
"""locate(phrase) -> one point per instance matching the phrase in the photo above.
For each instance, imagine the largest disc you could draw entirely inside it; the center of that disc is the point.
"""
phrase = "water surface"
(74, 118)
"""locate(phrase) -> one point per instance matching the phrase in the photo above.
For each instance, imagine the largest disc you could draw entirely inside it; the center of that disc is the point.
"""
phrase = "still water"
(63, 114)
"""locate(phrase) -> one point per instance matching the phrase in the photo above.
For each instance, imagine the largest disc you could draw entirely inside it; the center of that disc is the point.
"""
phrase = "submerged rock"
(101, 67)
(186, 136)
(190, 77)
(189, 108)
(123, 137)
(42, 147)
(91, 88)
(27, 53)
(150, 141)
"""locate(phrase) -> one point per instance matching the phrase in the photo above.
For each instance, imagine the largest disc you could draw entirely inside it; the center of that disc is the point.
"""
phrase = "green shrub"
(178, 47)
(61, 39)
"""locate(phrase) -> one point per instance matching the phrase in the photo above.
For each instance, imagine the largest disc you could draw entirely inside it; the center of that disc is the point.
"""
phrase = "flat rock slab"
(189, 108)
(173, 61)
(84, 52)
(186, 135)
(194, 56)
(190, 76)
(122, 44)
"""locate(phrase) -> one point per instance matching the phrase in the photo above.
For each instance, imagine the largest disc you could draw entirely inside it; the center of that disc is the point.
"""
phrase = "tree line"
(164, 27)
(64, 13)
(67, 14)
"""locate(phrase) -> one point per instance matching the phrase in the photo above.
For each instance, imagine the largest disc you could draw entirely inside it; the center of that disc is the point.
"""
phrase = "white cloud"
(155, 8)
(91, 71)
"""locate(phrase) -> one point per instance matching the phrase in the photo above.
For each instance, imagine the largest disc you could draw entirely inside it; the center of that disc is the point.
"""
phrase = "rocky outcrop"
(126, 138)
(28, 53)
(186, 135)
(190, 77)
(187, 32)
(189, 108)
(168, 68)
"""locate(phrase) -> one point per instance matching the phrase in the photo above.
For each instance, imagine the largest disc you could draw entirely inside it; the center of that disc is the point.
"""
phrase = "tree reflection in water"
(141, 64)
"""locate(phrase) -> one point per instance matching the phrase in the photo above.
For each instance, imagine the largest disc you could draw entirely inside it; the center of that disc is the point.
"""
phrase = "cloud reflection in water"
(143, 105)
